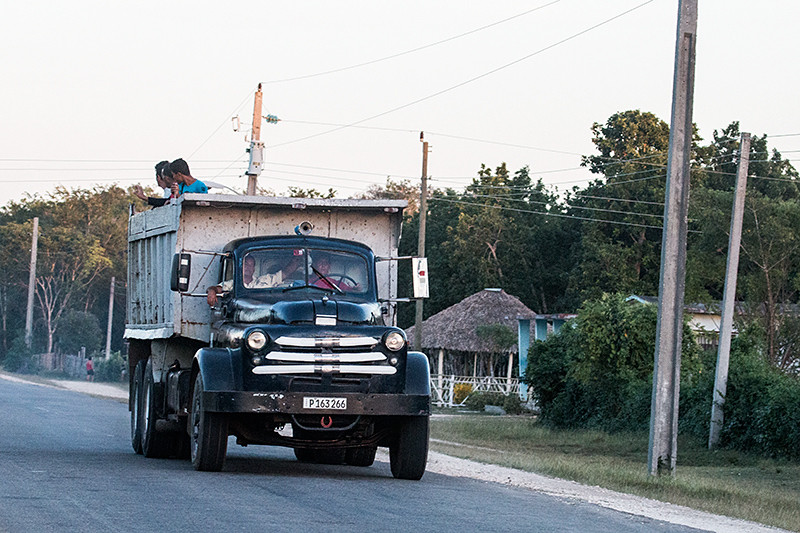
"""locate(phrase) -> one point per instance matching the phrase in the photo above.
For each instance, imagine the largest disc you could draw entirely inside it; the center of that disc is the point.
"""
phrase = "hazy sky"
(98, 92)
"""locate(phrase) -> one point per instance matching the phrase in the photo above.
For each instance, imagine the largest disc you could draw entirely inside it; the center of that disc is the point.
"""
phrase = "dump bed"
(202, 224)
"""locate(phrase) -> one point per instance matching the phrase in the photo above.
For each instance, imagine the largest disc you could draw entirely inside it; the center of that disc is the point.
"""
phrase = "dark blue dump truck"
(272, 320)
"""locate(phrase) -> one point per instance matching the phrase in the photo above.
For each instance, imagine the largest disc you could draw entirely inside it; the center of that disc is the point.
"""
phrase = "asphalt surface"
(66, 465)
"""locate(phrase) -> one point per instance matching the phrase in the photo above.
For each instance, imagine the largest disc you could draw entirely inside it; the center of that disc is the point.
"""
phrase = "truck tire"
(360, 456)
(304, 455)
(136, 407)
(182, 446)
(209, 433)
(329, 456)
(154, 444)
(408, 454)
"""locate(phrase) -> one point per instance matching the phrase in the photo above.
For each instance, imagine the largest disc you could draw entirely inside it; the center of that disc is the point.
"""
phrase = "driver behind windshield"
(323, 278)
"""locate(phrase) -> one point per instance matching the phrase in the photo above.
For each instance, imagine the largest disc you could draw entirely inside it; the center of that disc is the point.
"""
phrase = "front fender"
(418, 374)
(221, 368)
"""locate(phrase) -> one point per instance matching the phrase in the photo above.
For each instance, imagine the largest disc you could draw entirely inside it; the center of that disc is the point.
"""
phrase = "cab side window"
(227, 274)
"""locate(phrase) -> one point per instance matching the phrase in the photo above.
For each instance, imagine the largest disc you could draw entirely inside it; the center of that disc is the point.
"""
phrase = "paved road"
(66, 465)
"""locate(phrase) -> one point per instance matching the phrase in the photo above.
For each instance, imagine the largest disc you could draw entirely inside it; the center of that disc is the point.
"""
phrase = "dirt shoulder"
(569, 490)
(99, 390)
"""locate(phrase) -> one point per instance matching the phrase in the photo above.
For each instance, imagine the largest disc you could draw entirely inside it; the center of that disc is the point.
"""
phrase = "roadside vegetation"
(727, 482)
(592, 385)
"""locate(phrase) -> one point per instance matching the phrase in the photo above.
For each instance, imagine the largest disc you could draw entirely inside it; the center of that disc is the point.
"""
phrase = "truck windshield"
(294, 268)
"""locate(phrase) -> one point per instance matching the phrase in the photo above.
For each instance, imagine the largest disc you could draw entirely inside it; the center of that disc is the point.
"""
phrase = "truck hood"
(307, 311)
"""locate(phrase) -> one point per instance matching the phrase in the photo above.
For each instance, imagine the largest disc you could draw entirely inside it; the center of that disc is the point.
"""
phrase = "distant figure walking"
(89, 370)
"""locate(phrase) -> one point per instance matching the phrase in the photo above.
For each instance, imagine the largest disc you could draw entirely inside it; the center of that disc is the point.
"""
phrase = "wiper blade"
(326, 280)
(297, 287)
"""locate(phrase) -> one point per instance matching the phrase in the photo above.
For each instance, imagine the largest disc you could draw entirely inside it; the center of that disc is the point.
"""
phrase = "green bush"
(19, 357)
(594, 374)
(512, 405)
(477, 401)
(597, 371)
(760, 407)
(109, 370)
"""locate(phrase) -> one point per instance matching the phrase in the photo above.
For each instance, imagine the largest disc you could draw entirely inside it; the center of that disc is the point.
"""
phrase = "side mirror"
(181, 268)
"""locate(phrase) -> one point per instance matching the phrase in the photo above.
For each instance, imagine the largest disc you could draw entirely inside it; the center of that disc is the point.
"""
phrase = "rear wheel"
(154, 444)
(136, 407)
(182, 446)
(408, 454)
(209, 433)
(360, 456)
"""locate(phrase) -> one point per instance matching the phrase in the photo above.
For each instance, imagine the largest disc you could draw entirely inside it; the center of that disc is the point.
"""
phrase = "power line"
(372, 62)
(236, 110)
(784, 135)
(501, 143)
(439, 93)
(377, 128)
(567, 204)
(560, 215)
(619, 199)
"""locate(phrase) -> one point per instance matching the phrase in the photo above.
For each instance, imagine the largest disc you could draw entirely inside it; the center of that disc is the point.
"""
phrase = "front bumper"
(292, 403)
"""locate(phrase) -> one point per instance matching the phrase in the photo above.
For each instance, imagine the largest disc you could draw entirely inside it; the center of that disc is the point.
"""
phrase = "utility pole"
(729, 297)
(110, 318)
(669, 329)
(423, 213)
(31, 284)
(256, 147)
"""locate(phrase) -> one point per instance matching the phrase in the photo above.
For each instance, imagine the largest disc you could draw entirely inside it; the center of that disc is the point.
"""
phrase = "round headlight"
(395, 341)
(256, 340)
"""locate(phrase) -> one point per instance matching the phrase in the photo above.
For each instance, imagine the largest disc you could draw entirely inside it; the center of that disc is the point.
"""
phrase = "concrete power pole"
(31, 284)
(669, 330)
(110, 318)
(423, 213)
(729, 297)
(256, 146)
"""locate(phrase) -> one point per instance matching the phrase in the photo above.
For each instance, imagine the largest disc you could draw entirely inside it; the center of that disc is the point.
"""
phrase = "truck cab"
(301, 352)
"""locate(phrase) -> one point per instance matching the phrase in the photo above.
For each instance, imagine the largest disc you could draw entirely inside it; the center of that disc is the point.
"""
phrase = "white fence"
(443, 387)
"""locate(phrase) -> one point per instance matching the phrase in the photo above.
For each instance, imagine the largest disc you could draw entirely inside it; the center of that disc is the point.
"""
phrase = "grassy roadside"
(723, 482)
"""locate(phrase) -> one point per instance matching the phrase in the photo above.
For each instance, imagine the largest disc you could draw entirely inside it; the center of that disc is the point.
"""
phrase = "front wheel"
(329, 456)
(209, 433)
(360, 456)
(304, 455)
(408, 454)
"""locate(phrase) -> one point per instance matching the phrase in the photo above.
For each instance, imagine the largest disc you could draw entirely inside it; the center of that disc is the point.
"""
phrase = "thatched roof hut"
(454, 329)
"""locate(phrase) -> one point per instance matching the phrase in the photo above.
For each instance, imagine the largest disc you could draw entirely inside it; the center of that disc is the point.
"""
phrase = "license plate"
(310, 402)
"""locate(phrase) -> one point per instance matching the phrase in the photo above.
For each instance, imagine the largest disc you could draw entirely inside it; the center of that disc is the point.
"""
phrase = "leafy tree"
(67, 264)
(83, 244)
(444, 207)
(15, 241)
(509, 234)
(769, 266)
(299, 192)
(394, 190)
(624, 254)
(76, 330)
